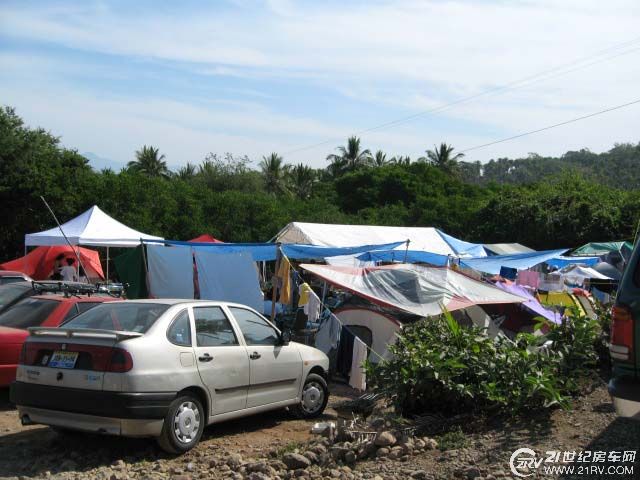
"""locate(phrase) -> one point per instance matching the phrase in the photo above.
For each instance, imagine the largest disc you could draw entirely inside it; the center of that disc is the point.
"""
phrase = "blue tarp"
(264, 252)
(520, 261)
(412, 256)
(460, 247)
(563, 261)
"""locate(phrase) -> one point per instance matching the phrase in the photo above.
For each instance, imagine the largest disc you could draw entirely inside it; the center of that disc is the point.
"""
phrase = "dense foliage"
(236, 199)
(439, 365)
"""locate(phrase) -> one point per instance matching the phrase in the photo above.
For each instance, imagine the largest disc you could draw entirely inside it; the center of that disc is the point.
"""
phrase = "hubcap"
(312, 397)
(186, 422)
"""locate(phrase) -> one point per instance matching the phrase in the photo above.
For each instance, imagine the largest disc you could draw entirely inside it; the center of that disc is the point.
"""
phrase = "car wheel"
(315, 395)
(183, 425)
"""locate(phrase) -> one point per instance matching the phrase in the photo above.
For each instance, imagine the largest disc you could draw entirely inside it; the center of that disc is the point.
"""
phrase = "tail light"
(621, 347)
(121, 361)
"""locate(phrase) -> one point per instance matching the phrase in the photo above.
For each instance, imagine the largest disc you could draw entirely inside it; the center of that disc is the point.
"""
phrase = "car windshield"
(29, 312)
(8, 280)
(8, 293)
(120, 316)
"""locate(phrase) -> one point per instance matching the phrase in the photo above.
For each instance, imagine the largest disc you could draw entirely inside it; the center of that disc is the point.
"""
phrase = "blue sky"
(252, 77)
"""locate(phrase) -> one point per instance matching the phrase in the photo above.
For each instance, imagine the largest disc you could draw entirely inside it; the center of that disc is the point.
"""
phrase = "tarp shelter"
(602, 248)
(521, 261)
(205, 238)
(532, 304)
(132, 272)
(506, 248)
(425, 239)
(564, 260)
(93, 227)
(38, 263)
(415, 289)
(401, 256)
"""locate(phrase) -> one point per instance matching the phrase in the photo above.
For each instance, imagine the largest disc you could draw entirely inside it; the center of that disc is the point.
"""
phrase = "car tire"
(183, 425)
(314, 398)
(66, 432)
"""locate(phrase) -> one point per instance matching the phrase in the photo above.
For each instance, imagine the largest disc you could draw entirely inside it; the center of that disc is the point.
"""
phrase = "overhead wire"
(514, 85)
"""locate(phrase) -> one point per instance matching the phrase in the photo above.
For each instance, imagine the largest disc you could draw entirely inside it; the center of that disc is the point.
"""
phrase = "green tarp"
(602, 248)
(132, 272)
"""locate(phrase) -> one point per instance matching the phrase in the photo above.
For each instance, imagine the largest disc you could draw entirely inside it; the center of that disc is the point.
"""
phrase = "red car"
(49, 310)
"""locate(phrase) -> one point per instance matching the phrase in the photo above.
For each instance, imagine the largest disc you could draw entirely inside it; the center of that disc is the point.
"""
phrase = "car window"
(84, 306)
(9, 293)
(8, 280)
(28, 312)
(73, 311)
(120, 316)
(179, 332)
(213, 328)
(255, 329)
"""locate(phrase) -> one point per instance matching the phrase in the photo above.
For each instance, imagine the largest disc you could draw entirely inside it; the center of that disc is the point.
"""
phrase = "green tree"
(187, 172)
(274, 171)
(149, 162)
(380, 159)
(301, 180)
(349, 158)
(443, 157)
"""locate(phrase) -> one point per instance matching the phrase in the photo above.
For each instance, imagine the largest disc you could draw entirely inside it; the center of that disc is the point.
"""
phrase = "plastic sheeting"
(93, 227)
(462, 248)
(410, 256)
(230, 278)
(132, 272)
(532, 304)
(563, 261)
(602, 248)
(506, 248)
(425, 239)
(170, 272)
(415, 289)
(520, 261)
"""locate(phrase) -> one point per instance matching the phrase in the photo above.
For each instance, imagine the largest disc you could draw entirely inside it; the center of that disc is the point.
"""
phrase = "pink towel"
(528, 278)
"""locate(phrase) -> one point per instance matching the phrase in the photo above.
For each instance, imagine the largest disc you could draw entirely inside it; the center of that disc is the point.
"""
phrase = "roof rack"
(67, 288)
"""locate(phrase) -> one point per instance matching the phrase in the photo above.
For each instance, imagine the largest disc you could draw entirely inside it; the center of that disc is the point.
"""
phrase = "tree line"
(236, 200)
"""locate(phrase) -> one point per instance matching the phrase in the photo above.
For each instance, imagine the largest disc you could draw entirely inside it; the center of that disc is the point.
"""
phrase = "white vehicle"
(165, 369)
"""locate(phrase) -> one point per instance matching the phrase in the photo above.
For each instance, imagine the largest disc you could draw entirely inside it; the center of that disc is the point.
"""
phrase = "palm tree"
(380, 159)
(274, 172)
(187, 172)
(301, 179)
(150, 162)
(350, 157)
(400, 160)
(443, 157)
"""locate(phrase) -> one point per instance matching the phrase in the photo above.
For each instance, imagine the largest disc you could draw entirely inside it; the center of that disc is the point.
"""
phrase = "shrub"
(440, 366)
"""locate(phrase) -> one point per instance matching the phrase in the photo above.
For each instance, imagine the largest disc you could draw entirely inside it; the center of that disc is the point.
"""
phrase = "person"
(68, 272)
(57, 266)
(82, 277)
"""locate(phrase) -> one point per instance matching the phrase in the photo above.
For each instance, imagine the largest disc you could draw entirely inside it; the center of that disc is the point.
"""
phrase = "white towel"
(357, 377)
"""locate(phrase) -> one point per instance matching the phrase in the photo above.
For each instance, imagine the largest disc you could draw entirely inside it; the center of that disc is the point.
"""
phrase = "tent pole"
(107, 268)
(406, 251)
(274, 282)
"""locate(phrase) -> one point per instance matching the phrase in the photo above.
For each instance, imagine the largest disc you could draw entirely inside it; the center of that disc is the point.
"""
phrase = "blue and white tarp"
(170, 272)
(520, 261)
(410, 256)
(563, 261)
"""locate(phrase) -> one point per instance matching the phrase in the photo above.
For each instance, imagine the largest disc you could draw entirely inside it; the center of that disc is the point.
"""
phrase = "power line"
(525, 81)
(549, 127)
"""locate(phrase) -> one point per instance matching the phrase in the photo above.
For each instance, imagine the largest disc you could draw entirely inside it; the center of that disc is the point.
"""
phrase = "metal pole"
(107, 269)
(63, 234)
(406, 251)
(146, 268)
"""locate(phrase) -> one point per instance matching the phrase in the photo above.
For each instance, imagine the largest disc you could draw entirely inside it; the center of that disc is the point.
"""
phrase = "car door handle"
(205, 358)
(255, 356)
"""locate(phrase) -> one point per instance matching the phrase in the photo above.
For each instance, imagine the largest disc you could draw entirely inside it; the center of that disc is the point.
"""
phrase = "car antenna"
(63, 234)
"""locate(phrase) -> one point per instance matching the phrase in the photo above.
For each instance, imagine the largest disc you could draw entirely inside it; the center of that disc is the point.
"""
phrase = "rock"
(318, 449)
(367, 450)
(191, 467)
(471, 472)
(350, 457)
(385, 439)
(312, 456)
(119, 465)
(382, 452)
(181, 477)
(258, 476)
(420, 475)
(338, 452)
(234, 460)
(300, 473)
(419, 444)
(259, 467)
(430, 443)
(294, 461)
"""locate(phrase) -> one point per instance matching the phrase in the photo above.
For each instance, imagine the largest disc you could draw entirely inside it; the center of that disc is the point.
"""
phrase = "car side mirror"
(285, 337)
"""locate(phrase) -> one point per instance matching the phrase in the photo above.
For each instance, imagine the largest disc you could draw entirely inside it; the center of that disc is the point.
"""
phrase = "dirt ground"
(485, 448)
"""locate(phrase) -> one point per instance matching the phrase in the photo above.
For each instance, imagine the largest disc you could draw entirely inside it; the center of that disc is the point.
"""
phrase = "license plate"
(63, 359)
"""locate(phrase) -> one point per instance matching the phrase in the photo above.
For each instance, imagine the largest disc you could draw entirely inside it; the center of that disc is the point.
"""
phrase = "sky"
(299, 77)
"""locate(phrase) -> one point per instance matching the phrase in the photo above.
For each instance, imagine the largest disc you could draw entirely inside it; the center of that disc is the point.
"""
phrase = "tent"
(597, 249)
(425, 239)
(506, 248)
(416, 289)
(377, 329)
(520, 261)
(205, 238)
(532, 305)
(38, 263)
(93, 227)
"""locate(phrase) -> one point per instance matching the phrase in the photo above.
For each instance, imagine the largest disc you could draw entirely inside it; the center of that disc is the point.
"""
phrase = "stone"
(350, 457)
(300, 473)
(191, 467)
(258, 476)
(430, 443)
(119, 465)
(420, 475)
(471, 472)
(312, 456)
(382, 452)
(293, 461)
(318, 449)
(385, 439)
(338, 452)
(367, 450)
(234, 460)
(419, 444)
(181, 477)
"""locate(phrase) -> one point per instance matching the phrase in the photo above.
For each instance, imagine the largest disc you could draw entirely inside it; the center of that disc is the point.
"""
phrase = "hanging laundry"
(357, 378)
(551, 282)
(528, 278)
(328, 335)
(312, 308)
(304, 290)
(345, 352)
(170, 272)
(284, 280)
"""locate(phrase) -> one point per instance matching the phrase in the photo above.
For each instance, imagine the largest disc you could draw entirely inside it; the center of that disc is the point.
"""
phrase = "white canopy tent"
(92, 228)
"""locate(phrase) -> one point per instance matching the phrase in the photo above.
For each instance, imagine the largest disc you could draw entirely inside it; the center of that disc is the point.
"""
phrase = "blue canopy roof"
(520, 261)
(412, 256)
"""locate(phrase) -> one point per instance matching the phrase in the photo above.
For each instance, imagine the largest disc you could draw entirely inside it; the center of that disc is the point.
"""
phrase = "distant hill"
(98, 163)
(619, 168)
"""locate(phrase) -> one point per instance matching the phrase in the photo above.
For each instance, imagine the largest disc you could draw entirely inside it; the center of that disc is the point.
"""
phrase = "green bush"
(440, 366)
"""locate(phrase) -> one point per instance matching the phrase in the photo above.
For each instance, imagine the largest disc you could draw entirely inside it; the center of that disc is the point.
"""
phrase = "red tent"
(38, 264)
(205, 238)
